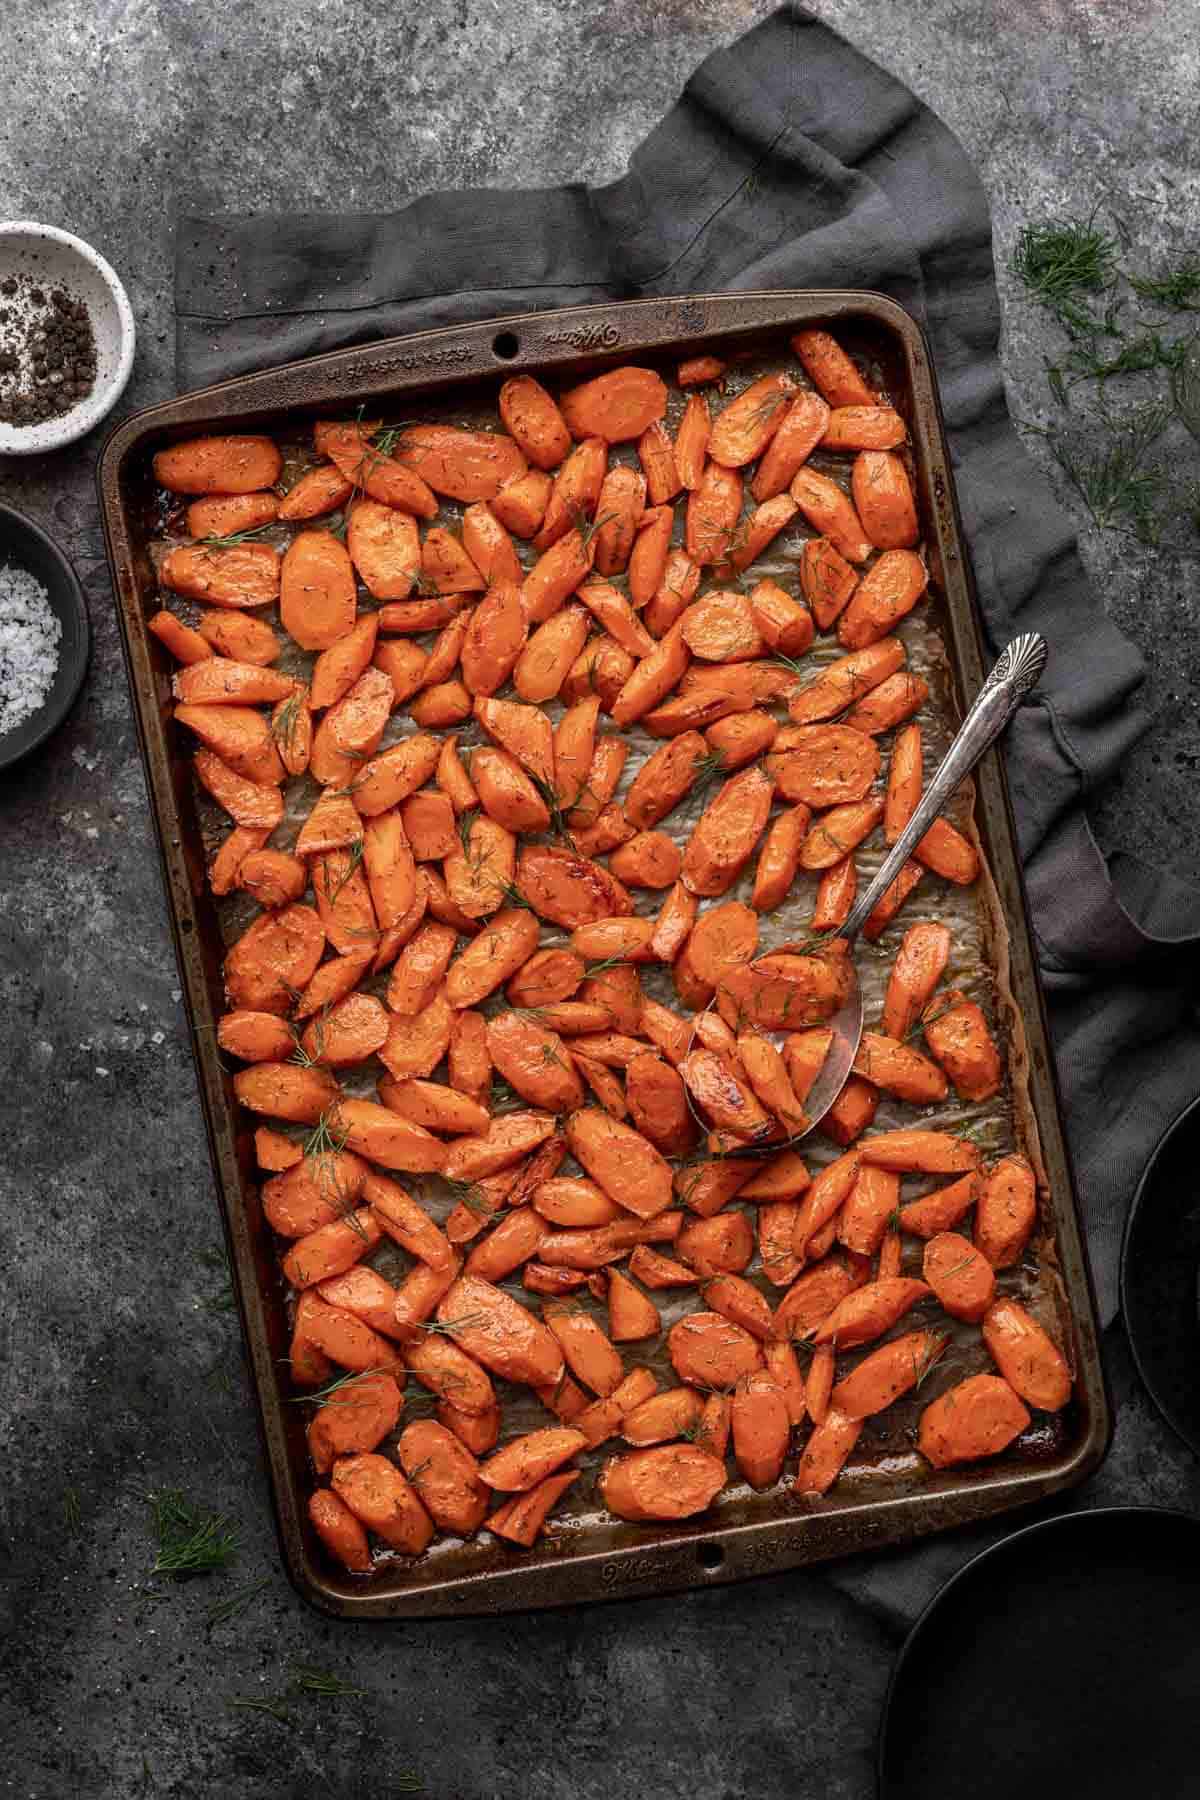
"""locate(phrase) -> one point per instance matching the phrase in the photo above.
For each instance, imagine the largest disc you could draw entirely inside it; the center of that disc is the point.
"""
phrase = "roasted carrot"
(1006, 1212)
(521, 504)
(781, 992)
(826, 1452)
(531, 416)
(830, 369)
(376, 1133)
(277, 954)
(374, 472)
(834, 834)
(417, 1043)
(739, 1300)
(317, 601)
(792, 443)
(239, 635)
(318, 491)
(958, 1037)
(450, 1373)
(830, 512)
(899, 1069)
(1026, 1355)
(904, 782)
(827, 580)
(887, 593)
(616, 406)
(694, 371)
(379, 1496)
(781, 622)
(948, 853)
(331, 1249)
(823, 765)
(498, 952)
(339, 1530)
(362, 1417)
(463, 465)
(713, 510)
(253, 806)
(979, 1417)
(884, 497)
(218, 465)
(525, 1461)
(868, 1210)
(804, 1052)
(521, 1519)
(384, 549)
(892, 1370)
(916, 1152)
(721, 1245)
(351, 730)
(842, 682)
(445, 1475)
(887, 908)
(621, 1161)
(728, 830)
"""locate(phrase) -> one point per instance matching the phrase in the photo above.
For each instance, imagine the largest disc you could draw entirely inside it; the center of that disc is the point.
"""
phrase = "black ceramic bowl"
(1063, 1661)
(1160, 1276)
(24, 545)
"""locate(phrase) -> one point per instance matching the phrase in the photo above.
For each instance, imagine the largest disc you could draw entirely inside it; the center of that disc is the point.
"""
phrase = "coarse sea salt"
(30, 634)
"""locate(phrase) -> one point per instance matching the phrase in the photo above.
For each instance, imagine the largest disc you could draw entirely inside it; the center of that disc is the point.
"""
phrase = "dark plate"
(1160, 1276)
(25, 545)
(1063, 1661)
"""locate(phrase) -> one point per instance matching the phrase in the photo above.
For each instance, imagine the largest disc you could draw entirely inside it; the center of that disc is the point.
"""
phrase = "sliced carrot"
(521, 505)
(317, 602)
(830, 369)
(344, 901)
(887, 1373)
(834, 834)
(501, 1333)
(826, 1452)
(792, 443)
(1005, 1212)
(390, 868)
(239, 635)
(416, 1043)
(890, 703)
(333, 824)
(478, 1431)
(616, 406)
(524, 1461)
(695, 370)
(724, 838)
(339, 1530)
(677, 588)
(463, 465)
(804, 1052)
(899, 1069)
(619, 509)
(904, 782)
(531, 416)
(1026, 1355)
(710, 1351)
(429, 825)
(827, 580)
(739, 1300)
(869, 1209)
(255, 808)
(318, 491)
(666, 1481)
(521, 1519)
(621, 1161)
(445, 1475)
(331, 1249)
(887, 908)
(450, 1373)
(332, 982)
(824, 765)
(659, 1418)
(218, 465)
(831, 513)
(887, 593)
(356, 1419)
(920, 1152)
(782, 992)
(384, 548)
(979, 1417)
(947, 852)
(275, 955)
(844, 681)
(379, 1496)
(884, 497)
(372, 471)
(823, 1198)
(713, 510)
(781, 621)
(656, 454)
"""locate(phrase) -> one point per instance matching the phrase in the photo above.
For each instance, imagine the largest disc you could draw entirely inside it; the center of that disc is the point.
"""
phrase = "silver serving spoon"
(1018, 668)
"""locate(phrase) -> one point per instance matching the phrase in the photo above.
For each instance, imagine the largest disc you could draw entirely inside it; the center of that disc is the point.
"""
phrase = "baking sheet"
(885, 1466)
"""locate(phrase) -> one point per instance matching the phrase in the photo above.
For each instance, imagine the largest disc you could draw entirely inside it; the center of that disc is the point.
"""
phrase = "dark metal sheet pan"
(599, 1559)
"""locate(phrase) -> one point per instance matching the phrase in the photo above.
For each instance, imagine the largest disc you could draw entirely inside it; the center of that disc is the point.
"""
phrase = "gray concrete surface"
(116, 1376)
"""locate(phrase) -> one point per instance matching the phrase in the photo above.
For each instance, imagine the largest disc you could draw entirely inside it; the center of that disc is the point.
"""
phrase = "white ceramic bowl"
(57, 259)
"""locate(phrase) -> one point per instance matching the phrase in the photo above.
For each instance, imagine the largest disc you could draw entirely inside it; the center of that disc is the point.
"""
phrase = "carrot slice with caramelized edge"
(521, 1519)
(380, 1498)
(218, 465)
(826, 1452)
(445, 1474)
(339, 1530)
(667, 1481)
(1026, 1355)
(1005, 1212)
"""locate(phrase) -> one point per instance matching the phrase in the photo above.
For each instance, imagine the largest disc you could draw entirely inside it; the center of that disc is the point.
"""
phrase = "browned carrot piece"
(333, 824)
(618, 405)
(899, 1069)
(499, 951)
(827, 580)
(958, 1036)
(761, 1428)
(887, 593)
(631, 1314)
(524, 731)
(478, 1431)
(753, 535)
(274, 1151)
(276, 954)
(781, 621)
(893, 701)
(660, 1417)
(463, 465)
(824, 765)
(574, 749)
(361, 1290)
(869, 1209)
(390, 868)
(531, 416)
(317, 601)
(824, 1196)
(339, 1530)
(621, 1161)
(830, 369)
(447, 1371)
(219, 679)
(724, 838)
(720, 628)
(242, 841)
(391, 776)
(887, 908)
(667, 1481)
(781, 992)
(489, 546)
(947, 852)
(376, 1133)
(830, 512)
(744, 428)
(769, 1078)
(819, 1384)
(1005, 1212)
(364, 464)
(676, 590)
(320, 490)
(870, 1311)
(332, 982)
(779, 859)
(521, 1519)
(573, 1201)
(1026, 1355)
(549, 975)
(344, 901)
(417, 1043)
(255, 1036)
(540, 1278)
(826, 1452)
(349, 1033)
(502, 1334)
(469, 1064)
(652, 679)
(619, 509)
(186, 646)
(798, 435)
(351, 730)
(445, 1475)
(384, 548)
(654, 1094)
(979, 1417)
(446, 703)
(884, 497)
(886, 1373)
(694, 371)
(429, 826)
(435, 1106)
(379, 1496)
(657, 457)
(241, 738)
(556, 575)
(722, 1245)
(739, 1300)
(864, 427)
(713, 510)
(526, 1460)
(724, 1095)
(239, 635)
(218, 465)
(834, 834)
(920, 1152)
(362, 1417)
(904, 782)
(654, 1270)
(331, 1249)
(960, 1276)
(506, 1141)
(416, 1298)
(604, 773)
(521, 505)
(576, 492)
(844, 681)
(710, 1351)
(942, 1209)
(804, 1052)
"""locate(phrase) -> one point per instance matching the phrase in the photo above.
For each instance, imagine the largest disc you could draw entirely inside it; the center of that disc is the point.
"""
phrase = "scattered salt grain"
(30, 634)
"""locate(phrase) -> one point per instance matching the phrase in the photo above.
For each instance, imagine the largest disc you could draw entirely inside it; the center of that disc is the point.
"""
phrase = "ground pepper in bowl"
(47, 351)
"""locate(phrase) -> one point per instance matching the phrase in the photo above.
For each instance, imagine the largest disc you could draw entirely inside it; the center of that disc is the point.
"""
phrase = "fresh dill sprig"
(191, 1539)
(1179, 291)
(587, 528)
(284, 723)
(307, 1680)
(1061, 263)
(214, 540)
(236, 1603)
(1118, 485)
(501, 1098)
(275, 1707)
(409, 1782)
(466, 821)
(706, 770)
(423, 587)
(1137, 355)
(332, 1393)
(323, 1139)
(354, 858)
(72, 1510)
(470, 1195)
(601, 968)
(300, 1055)
(448, 1327)
(508, 889)
(550, 799)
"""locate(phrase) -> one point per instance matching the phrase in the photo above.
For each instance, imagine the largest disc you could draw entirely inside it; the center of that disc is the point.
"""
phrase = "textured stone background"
(115, 1376)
